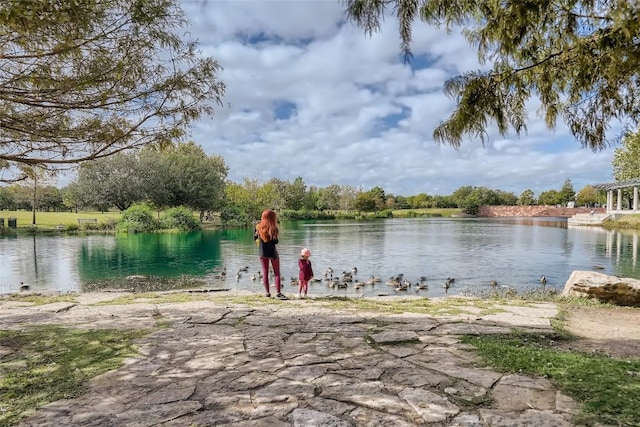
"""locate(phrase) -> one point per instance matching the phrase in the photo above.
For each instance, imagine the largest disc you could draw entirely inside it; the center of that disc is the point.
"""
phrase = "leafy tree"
(506, 198)
(377, 194)
(442, 202)
(82, 80)
(348, 196)
(72, 196)
(526, 198)
(567, 193)
(196, 179)
(111, 181)
(36, 177)
(50, 199)
(311, 197)
(626, 158)
(551, 197)
(282, 189)
(365, 202)
(587, 196)
(579, 57)
(460, 195)
(156, 178)
(295, 193)
(479, 196)
(419, 201)
(251, 198)
(329, 197)
(7, 201)
(400, 202)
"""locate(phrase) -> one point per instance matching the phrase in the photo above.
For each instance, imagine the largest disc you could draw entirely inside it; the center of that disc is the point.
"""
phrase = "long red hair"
(268, 226)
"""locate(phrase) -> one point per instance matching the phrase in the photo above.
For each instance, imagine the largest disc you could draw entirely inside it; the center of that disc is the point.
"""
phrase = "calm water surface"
(514, 252)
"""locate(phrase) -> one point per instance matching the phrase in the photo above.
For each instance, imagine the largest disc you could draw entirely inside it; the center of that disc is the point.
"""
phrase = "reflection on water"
(512, 251)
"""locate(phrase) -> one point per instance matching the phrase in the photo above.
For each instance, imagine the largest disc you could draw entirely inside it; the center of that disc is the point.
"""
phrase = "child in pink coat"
(306, 273)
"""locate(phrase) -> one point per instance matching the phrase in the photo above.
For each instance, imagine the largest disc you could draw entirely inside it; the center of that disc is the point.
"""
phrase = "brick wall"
(528, 211)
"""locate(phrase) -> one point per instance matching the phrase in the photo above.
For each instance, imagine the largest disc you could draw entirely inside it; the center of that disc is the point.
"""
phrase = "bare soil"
(613, 331)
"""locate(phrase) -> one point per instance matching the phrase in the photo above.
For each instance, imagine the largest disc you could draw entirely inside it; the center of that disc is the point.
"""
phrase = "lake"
(515, 252)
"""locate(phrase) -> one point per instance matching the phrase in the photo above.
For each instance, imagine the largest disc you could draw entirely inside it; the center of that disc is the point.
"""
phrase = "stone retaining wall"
(528, 211)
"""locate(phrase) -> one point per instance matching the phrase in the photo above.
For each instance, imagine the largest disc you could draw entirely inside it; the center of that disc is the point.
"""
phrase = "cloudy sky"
(311, 95)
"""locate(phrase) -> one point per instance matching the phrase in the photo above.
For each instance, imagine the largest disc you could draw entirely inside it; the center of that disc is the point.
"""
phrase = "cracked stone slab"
(518, 398)
(466, 420)
(172, 392)
(302, 417)
(150, 415)
(421, 378)
(372, 418)
(482, 377)
(430, 406)
(283, 391)
(528, 418)
(528, 382)
(392, 337)
(368, 394)
(252, 380)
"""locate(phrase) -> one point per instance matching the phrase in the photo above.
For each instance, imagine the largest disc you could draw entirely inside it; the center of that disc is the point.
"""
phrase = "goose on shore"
(24, 287)
(222, 274)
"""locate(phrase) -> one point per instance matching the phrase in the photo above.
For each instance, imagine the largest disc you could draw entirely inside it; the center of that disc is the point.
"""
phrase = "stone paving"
(296, 364)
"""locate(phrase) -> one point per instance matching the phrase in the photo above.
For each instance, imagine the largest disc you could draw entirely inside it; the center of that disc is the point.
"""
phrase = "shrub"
(137, 219)
(108, 224)
(180, 218)
(387, 213)
(235, 217)
(304, 214)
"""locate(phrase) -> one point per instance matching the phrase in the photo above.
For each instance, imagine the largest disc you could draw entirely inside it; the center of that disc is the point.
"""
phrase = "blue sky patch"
(283, 110)
(390, 121)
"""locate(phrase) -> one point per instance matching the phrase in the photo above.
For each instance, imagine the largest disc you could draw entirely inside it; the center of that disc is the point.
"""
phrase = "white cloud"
(361, 116)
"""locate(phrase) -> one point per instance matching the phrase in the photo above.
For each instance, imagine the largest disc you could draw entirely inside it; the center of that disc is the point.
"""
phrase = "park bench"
(87, 221)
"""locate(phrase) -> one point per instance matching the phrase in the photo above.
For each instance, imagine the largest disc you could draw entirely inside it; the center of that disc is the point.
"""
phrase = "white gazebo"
(619, 186)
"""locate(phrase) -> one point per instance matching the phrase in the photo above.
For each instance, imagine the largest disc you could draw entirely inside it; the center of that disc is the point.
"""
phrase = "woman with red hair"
(266, 234)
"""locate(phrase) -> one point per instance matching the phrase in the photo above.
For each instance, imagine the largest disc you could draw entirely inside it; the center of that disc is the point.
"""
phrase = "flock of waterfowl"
(348, 278)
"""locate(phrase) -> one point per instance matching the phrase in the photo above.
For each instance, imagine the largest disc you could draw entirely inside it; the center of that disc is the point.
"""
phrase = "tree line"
(184, 175)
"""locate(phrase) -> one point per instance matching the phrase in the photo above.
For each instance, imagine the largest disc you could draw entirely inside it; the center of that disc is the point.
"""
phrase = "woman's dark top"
(266, 249)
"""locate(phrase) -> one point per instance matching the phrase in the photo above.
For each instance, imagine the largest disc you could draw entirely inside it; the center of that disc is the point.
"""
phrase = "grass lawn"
(53, 219)
(435, 212)
(608, 389)
(48, 363)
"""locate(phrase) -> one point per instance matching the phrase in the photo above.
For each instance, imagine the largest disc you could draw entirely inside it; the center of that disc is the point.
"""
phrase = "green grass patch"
(608, 389)
(48, 363)
(178, 297)
(426, 213)
(53, 219)
(631, 222)
(40, 299)
(448, 307)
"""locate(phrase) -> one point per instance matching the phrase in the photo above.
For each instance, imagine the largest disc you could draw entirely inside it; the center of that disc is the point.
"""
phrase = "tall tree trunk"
(33, 204)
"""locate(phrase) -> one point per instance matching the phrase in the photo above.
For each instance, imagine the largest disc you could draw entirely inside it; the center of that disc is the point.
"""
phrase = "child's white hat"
(305, 252)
